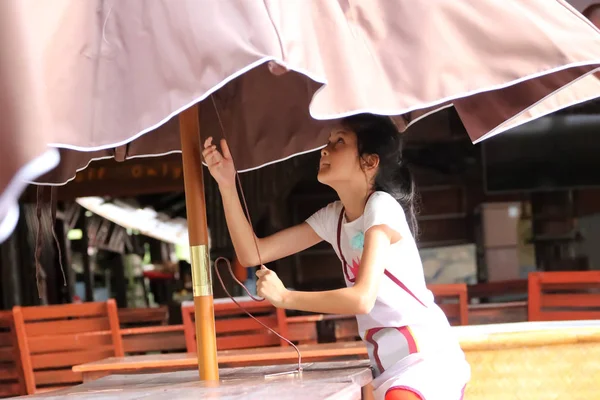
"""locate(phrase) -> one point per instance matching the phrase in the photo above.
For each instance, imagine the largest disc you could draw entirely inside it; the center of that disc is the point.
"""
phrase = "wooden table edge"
(230, 359)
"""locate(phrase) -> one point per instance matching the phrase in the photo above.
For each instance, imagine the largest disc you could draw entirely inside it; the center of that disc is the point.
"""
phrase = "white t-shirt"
(405, 324)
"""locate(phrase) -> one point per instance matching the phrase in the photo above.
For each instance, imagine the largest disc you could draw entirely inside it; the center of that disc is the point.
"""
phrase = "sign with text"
(128, 178)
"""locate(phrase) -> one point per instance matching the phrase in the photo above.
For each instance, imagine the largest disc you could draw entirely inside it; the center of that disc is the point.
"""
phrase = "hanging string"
(228, 263)
(40, 274)
(53, 206)
(38, 244)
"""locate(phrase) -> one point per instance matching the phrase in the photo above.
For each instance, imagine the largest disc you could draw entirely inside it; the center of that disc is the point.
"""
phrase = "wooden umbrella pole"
(189, 129)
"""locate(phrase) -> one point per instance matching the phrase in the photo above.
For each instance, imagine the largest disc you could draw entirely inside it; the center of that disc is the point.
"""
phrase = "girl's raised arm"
(284, 243)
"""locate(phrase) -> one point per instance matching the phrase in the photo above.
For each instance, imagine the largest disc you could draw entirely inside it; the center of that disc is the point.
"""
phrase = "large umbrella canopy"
(582, 5)
(97, 76)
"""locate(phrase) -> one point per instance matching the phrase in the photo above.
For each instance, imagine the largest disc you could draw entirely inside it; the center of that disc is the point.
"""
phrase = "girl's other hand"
(270, 287)
(219, 165)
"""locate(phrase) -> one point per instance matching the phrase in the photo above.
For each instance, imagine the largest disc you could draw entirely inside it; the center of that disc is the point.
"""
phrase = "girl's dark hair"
(376, 134)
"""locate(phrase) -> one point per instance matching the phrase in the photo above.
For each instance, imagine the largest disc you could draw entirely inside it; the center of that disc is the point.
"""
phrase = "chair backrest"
(564, 295)
(147, 316)
(12, 382)
(452, 299)
(52, 339)
(145, 330)
(234, 328)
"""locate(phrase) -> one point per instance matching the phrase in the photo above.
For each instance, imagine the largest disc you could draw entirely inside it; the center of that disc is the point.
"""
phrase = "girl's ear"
(369, 162)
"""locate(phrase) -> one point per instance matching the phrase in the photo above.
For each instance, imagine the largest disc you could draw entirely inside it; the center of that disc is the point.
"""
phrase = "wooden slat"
(68, 359)
(63, 311)
(8, 372)
(79, 325)
(10, 389)
(128, 316)
(170, 341)
(575, 300)
(246, 341)
(571, 287)
(305, 318)
(569, 277)
(142, 330)
(6, 339)
(7, 354)
(46, 344)
(568, 315)
(57, 377)
(6, 319)
(346, 329)
(244, 324)
(447, 290)
(251, 306)
(303, 332)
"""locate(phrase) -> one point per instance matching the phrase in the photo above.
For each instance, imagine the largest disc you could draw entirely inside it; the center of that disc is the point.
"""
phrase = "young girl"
(408, 337)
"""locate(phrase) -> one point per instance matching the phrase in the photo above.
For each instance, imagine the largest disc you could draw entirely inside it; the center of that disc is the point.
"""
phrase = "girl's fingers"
(212, 155)
(225, 148)
(262, 272)
(206, 152)
(208, 142)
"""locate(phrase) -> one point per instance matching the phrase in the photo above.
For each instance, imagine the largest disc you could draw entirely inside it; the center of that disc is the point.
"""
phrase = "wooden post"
(189, 129)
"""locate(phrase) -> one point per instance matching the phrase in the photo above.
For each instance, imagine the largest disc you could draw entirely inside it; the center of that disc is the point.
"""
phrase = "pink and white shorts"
(431, 378)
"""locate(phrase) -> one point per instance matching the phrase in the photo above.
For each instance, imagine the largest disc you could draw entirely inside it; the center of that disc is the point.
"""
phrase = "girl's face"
(339, 159)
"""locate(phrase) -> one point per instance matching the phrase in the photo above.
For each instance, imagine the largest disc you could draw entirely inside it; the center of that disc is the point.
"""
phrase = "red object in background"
(159, 275)
(240, 272)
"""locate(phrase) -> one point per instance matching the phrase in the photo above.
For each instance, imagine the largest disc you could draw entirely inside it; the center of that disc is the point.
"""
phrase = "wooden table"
(328, 381)
(227, 358)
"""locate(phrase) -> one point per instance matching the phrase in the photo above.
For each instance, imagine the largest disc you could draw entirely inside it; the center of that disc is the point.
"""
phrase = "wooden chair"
(564, 295)
(234, 328)
(52, 339)
(452, 299)
(12, 382)
(145, 330)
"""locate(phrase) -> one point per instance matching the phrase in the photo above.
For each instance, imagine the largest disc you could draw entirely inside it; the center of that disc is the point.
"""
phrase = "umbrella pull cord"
(226, 261)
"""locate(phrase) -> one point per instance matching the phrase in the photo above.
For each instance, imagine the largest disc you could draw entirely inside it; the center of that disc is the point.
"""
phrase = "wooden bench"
(515, 290)
(495, 313)
(145, 330)
(12, 382)
(452, 299)
(572, 295)
(302, 329)
(147, 316)
(52, 339)
(234, 328)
